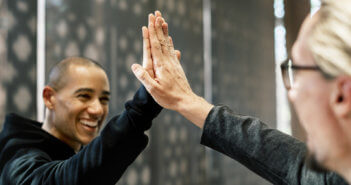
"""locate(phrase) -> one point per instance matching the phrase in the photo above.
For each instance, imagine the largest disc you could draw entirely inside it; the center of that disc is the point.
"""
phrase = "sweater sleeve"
(103, 161)
(275, 156)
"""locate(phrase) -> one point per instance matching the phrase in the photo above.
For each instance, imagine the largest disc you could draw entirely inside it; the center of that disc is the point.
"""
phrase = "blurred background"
(231, 51)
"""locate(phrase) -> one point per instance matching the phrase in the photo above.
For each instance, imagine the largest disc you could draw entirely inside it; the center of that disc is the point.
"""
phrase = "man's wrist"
(142, 109)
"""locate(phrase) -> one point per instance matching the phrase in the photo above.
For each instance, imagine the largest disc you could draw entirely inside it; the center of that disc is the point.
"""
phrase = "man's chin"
(314, 164)
(87, 139)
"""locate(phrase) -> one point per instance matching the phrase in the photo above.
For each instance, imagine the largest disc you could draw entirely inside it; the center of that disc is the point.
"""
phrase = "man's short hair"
(330, 40)
(60, 70)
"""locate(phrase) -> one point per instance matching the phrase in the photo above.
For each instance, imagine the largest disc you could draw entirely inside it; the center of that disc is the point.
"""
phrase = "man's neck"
(47, 126)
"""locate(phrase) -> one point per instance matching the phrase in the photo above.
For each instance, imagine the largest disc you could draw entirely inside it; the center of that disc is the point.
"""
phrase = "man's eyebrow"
(91, 91)
(106, 93)
(84, 90)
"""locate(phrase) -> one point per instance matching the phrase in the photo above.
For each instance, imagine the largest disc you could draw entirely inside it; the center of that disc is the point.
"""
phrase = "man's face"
(312, 97)
(81, 105)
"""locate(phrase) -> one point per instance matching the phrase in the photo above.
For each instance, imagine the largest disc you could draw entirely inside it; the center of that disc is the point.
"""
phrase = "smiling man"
(76, 109)
(66, 148)
(318, 79)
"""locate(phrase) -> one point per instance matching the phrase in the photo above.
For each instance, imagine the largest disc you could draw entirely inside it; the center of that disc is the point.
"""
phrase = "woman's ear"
(341, 97)
(48, 97)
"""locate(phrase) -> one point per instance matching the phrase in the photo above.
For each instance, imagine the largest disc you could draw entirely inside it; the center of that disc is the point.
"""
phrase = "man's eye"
(105, 100)
(84, 96)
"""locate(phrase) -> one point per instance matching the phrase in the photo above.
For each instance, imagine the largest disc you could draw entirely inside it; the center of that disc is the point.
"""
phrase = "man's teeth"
(90, 123)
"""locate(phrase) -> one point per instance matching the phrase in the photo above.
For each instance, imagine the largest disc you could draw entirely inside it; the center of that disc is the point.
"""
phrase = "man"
(76, 100)
(319, 84)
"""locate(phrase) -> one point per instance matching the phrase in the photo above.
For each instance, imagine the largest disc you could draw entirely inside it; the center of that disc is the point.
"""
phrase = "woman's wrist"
(195, 109)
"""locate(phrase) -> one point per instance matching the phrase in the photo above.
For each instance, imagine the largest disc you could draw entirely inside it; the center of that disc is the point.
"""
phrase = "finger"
(179, 54)
(152, 19)
(156, 51)
(161, 37)
(158, 13)
(146, 44)
(171, 46)
(147, 60)
(164, 25)
(165, 29)
(144, 77)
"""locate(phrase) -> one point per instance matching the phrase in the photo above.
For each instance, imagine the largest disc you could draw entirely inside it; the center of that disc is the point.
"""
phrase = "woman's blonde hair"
(330, 40)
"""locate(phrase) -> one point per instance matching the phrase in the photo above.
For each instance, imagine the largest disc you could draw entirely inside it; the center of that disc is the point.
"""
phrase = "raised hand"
(167, 82)
(147, 58)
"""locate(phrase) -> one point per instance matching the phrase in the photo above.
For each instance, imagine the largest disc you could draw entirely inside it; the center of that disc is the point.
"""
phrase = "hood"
(19, 133)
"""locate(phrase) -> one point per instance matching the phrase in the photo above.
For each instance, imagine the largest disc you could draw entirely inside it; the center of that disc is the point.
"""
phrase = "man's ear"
(341, 97)
(49, 97)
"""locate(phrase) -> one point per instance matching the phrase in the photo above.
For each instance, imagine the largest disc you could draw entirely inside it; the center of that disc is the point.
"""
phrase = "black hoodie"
(30, 155)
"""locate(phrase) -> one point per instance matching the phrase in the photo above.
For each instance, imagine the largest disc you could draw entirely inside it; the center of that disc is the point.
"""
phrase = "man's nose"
(96, 108)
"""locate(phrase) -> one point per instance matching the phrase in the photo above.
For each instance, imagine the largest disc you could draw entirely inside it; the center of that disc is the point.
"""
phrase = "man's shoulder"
(25, 164)
(24, 137)
(32, 154)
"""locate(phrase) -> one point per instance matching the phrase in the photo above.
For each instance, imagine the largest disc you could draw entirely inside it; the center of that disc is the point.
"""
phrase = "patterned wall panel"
(244, 77)
(126, 18)
(18, 58)
(181, 157)
(75, 33)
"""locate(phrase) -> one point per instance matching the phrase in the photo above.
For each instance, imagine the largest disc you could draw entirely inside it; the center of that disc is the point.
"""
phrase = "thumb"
(143, 76)
(178, 54)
